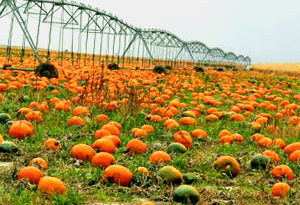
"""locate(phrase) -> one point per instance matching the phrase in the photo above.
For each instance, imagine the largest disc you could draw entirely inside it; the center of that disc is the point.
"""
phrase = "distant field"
(278, 67)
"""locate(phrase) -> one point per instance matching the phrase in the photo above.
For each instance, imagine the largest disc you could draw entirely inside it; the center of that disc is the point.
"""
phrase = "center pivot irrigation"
(71, 34)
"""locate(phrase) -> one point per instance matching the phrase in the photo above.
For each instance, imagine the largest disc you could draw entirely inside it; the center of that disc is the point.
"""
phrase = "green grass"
(85, 182)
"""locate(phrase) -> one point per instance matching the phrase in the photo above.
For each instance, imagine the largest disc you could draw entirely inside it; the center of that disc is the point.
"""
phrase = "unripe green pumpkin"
(170, 174)
(8, 146)
(260, 162)
(186, 194)
(4, 117)
(176, 148)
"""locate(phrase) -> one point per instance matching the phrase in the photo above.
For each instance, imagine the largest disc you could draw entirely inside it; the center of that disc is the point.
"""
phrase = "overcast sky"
(265, 30)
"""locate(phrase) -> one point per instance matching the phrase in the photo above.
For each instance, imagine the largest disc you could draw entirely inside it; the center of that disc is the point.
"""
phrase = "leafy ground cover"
(220, 111)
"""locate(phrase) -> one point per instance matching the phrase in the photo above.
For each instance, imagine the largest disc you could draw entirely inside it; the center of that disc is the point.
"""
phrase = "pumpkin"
(136, 146)
(104, 145)
(279, 143)
(224, 133)
(140, 132)
(260, 162)
(102, 118)
(237, 117)
(272, 155)
(101, 133)
(283, 171)
(189, 113)
(238, 138)
(21, 129)
(186, 194)
(31, 173)
(184, 138)
(289, 149)
(256, 137)
(39, 162)
(159, 157)
(143, 170)
(176, 148)
(76, 120)
(115, 139)
(117, 174)
(34, 115)
(4, 117)
(1, 139)
(80, 110)
(212, 117)
(265, 142)
(188, 121)
(52, 185)
(83, 152)
(103, 159)
(148, 128)
(295, 156)
(52, 143)
(227, 139)
(280, 189)
(228, 165)
(199, 133)
(112, 129)
(7, 146)
(170, 174)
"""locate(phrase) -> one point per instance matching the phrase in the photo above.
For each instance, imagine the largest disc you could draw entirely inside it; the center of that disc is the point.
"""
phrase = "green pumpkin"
(190, 178)
(176, 148)
(9, 122)
(260, 162)
(170, 174)
(8, 146)
(4, 117)
(186, 194)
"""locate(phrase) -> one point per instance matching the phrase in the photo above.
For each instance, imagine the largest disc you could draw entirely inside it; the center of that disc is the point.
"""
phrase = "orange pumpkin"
(52, 143)
(295, 156)
(52, 185)
(292, 147)
(115, 139)
(160, 157)
(272, 155)
(101, 133)
(148, 128)
(118, 174)
(83, 152)
(227, 139)
(283, 171)
(21, 129)
(104, 145)
(279, 143)
(31, 173)
(103, 159)
(76, 120)
(199, 133)
(79, 110)
(102, 118)
(136, 146)
(188, 121)
(280, 189)
(184, 138)
(40, 162)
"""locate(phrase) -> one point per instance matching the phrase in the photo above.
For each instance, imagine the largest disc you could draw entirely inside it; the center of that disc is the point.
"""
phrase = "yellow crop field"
(292, 68)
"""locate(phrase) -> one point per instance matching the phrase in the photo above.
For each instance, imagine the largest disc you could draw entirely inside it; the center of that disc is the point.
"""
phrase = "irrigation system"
(78, 35)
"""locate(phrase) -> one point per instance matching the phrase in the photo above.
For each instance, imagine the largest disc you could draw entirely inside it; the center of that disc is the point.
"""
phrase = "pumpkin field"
(95, 135)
